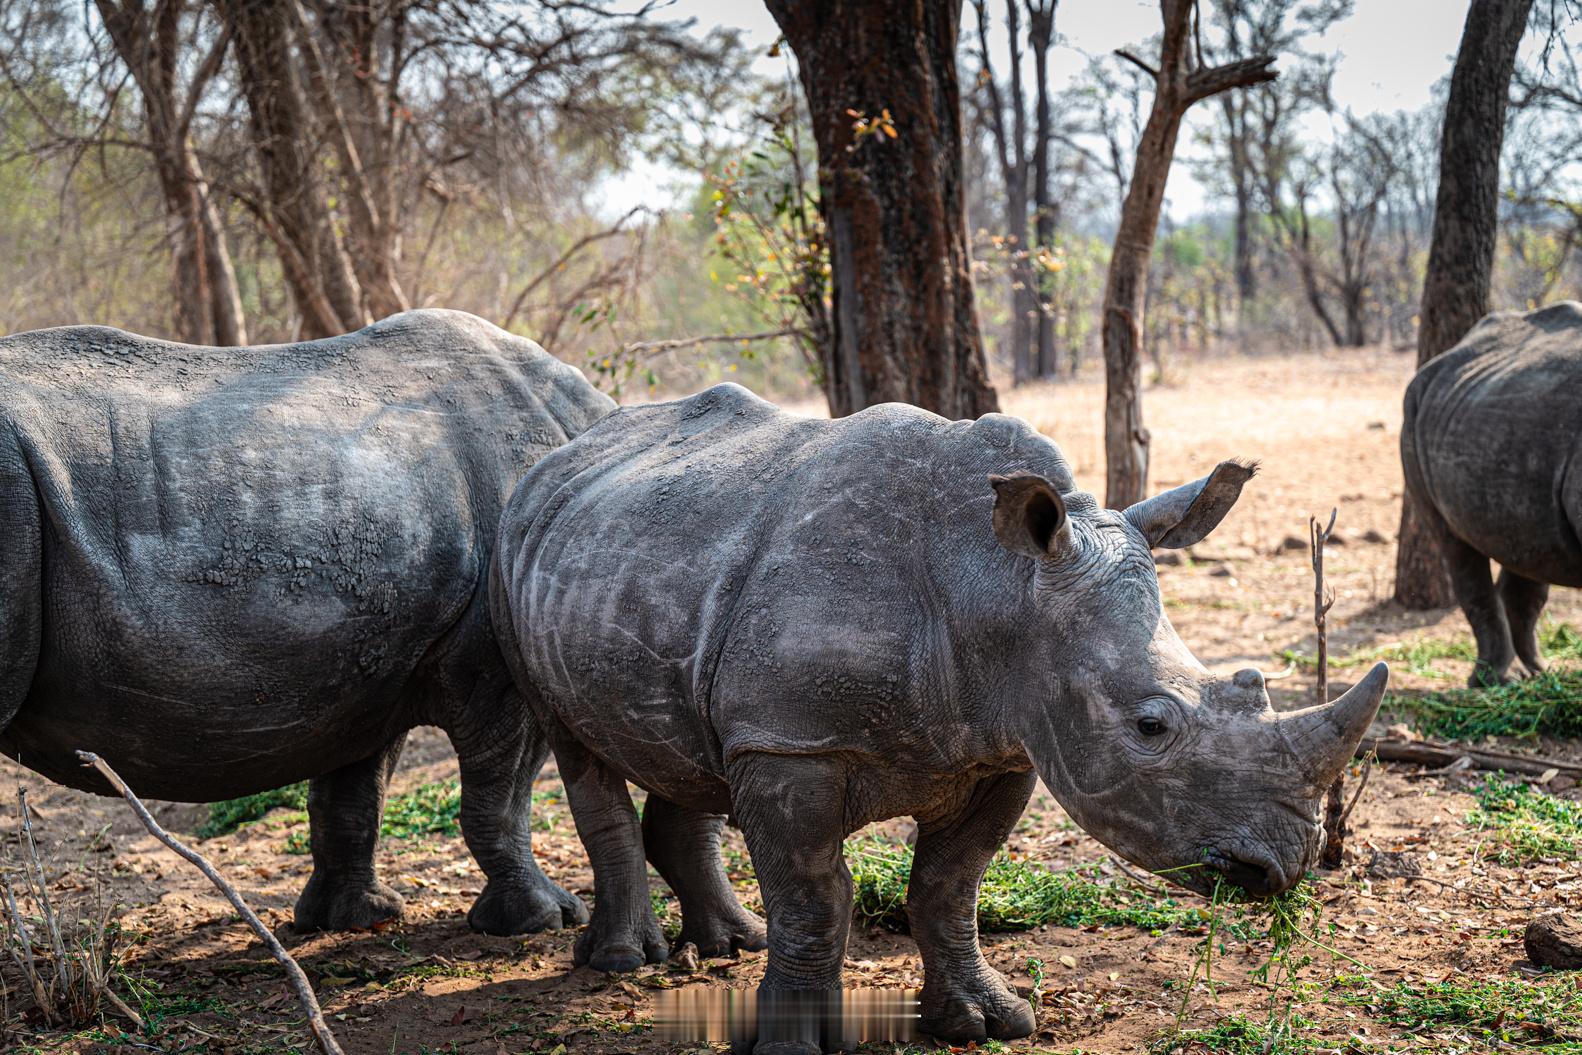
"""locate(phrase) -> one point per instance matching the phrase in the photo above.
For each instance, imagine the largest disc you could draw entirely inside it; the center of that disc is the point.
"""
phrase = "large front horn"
(1325, 737)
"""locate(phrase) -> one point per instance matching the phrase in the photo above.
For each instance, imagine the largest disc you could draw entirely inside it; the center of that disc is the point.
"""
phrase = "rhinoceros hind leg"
(498, 767)
(964, 999)
(344, 811)
(1524, 602)
(1474, 589)
(623, 933)
(684, 845)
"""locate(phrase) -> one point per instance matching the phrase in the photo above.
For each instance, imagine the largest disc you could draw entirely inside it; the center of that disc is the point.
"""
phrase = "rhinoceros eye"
(1150, 726)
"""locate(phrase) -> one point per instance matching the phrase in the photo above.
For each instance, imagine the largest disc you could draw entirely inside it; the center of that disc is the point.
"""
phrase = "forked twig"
(299, 981)
(1323, 600)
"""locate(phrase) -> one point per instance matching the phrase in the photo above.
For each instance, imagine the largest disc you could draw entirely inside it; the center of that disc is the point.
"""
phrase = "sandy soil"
(1324, 428)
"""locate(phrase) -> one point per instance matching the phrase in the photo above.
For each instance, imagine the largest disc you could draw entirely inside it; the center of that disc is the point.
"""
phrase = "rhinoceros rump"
(810, 625)
(225, 569)
(1491, 446)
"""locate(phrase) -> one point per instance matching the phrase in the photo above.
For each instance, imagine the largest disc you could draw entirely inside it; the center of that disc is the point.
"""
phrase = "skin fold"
(1491, 445)
(228, 569)
(803, 626)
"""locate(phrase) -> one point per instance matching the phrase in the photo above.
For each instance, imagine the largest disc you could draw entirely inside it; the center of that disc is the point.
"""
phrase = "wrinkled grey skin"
(1491, 446)
(810, 625)
(226, 569)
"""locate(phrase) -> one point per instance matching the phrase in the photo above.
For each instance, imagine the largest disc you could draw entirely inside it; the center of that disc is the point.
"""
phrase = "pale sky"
(1391, 54)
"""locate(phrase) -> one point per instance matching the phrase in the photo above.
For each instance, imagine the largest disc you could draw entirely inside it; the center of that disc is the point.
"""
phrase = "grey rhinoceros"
(226, 569)
(808, 625)
(1491, 446)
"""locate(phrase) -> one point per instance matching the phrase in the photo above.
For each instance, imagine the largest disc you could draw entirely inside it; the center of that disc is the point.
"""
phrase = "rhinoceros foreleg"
(1524, 602)
(1474, 589)
(344, 811)
(499, 761)
(964, 999)
(623, 934)
(684, 845)
(792, 809)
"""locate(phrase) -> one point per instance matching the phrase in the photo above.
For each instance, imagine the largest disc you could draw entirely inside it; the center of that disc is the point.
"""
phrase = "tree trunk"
(1461, 252)
(316, 266)
(1178, 83)
(1041, 34)
(890, 189)
(207, 306)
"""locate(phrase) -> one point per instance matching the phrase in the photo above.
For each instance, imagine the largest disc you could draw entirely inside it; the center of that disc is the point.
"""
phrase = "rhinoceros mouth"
(1251, 872)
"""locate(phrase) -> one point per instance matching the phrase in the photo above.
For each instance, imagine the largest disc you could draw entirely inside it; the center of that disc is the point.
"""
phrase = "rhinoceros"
(808, 625)
(227, 569)
(1491, 446)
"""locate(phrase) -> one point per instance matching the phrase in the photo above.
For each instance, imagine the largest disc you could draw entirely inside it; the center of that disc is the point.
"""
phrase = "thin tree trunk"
(1041, 34)
(1461, 253)
(905, 325)
(1178, 83)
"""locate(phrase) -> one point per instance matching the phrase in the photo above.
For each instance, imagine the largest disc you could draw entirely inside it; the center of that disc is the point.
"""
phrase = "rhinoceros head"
(1190, 775)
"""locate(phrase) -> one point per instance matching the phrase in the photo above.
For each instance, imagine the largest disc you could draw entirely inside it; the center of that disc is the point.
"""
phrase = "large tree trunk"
(1178, 84)
(316, 266)
(1461, 253)
(906, 327)
(206, 303)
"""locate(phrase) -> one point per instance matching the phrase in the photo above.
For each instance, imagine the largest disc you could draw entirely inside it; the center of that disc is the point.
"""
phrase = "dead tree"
(1180, 79)
(880, 81)
(1041, 37)
(1461, 250)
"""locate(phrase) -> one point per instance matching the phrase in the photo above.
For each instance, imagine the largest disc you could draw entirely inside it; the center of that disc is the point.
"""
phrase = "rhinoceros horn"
(1326, 737)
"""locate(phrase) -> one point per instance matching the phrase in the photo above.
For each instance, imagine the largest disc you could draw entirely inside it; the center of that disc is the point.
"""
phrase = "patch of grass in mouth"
(1015, 895)
(1538, 1016)
(1526, 824)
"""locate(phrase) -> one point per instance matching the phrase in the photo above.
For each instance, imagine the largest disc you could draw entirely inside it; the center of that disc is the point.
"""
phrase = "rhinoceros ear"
(1029, 515)
(1184, 515)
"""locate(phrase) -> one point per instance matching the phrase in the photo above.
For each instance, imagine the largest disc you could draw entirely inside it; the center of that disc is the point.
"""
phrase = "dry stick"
(299, 981)
(1436, 753)
(1323, 601)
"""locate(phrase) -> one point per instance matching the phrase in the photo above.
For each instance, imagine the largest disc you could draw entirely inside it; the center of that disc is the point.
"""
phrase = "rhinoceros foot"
(739, 931)
(614, 945)
(979, 1008)
(328, 904)
(525, 908)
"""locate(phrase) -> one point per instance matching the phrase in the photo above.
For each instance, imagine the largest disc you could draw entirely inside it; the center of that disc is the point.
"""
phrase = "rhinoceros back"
(246, 553)
(788, 581)
(1492, 440)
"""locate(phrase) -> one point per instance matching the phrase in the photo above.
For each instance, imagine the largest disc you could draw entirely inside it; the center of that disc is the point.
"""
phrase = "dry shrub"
(64, 951)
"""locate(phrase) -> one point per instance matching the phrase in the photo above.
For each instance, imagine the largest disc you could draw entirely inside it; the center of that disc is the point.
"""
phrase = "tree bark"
(1461, 250)
(1178, 83)
(316, 266)
(1041, 35)
(207, 305)
(890, 189)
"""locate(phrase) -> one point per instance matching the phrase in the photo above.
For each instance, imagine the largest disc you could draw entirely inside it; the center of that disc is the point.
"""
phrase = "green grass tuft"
(225, 817)
(1237, 1034)
(1507, 1010)
(1557, 641)
(428, 809)
(1547, 705)
(1526, 824)
(1015, 895)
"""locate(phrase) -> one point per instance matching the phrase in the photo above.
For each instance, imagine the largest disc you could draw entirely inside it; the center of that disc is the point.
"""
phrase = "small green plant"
(428, 809)
(225, 817)
(1541, 1016)
(1237, 1034)
(1525, 823)
(1015, 895)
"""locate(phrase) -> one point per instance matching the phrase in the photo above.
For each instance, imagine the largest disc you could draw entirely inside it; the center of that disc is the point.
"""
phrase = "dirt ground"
(1324, 428)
